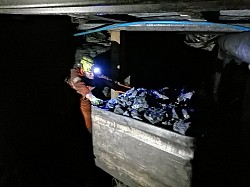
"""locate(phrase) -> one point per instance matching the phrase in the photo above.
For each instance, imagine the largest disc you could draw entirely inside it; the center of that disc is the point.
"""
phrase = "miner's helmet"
(87, 64)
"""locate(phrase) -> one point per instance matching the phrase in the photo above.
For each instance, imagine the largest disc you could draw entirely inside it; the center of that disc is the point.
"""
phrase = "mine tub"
(141, 154)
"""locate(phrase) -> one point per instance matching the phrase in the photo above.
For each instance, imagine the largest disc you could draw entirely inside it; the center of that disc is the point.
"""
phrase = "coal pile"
(171, 109)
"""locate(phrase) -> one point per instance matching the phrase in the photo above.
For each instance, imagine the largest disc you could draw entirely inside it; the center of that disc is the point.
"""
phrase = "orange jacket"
(75, 82)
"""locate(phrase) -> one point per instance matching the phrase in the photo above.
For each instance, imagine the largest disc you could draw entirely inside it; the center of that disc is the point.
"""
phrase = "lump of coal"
(167, 108)
(154, 115)
(181, 126)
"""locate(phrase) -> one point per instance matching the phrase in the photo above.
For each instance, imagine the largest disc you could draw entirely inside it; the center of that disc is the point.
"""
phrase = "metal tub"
(140, 154)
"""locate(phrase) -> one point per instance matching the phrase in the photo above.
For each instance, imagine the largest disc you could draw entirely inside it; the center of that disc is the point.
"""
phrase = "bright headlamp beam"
(97, 70)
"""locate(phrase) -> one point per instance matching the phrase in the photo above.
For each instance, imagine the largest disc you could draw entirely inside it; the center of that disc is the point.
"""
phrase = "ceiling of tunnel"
(94, 14)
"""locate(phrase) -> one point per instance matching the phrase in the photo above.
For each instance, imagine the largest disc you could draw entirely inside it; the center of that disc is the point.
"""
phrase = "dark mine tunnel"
(43, 142)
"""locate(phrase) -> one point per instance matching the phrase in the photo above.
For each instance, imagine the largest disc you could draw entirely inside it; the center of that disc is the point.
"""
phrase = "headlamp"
(96, 70)
(88, 66)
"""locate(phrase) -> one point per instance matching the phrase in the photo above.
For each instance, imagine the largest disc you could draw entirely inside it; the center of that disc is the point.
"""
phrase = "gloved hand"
(94, 100)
